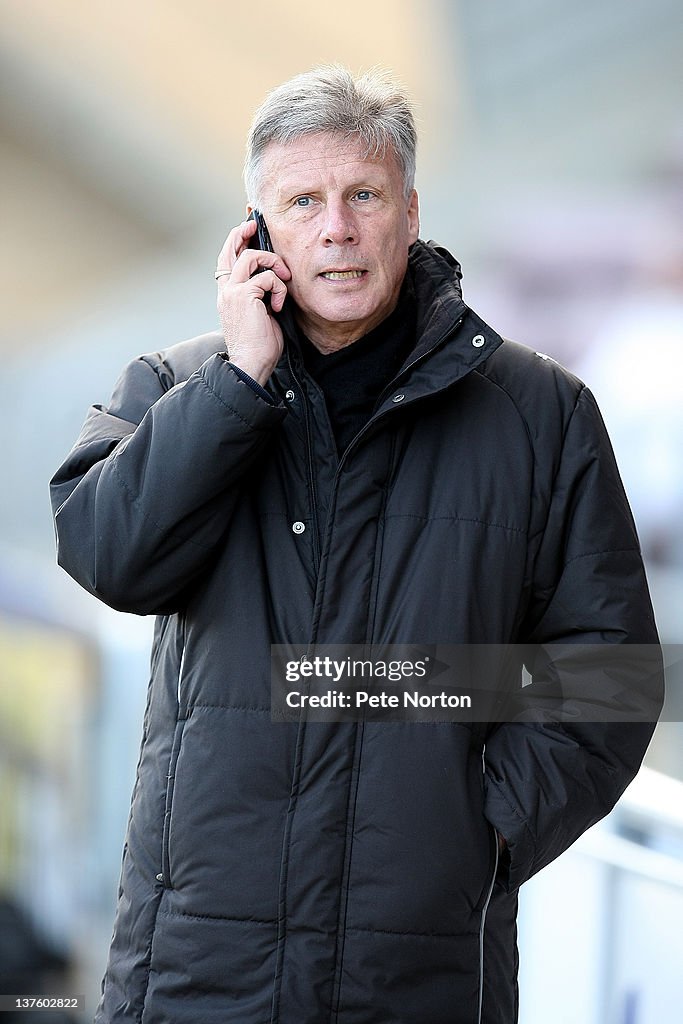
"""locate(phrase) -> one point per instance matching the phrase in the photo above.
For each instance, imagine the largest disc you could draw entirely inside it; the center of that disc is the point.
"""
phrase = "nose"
(339, 224)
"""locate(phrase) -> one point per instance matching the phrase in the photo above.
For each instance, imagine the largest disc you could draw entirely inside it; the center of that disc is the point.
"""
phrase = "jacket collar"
(451, 339)
(436, 276)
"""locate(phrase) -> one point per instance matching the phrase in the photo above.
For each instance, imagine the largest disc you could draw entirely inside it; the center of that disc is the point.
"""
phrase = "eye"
(303, 201)
(363, 195)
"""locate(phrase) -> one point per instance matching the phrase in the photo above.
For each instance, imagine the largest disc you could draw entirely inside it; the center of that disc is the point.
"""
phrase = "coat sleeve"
(561, 760)
(146, 494)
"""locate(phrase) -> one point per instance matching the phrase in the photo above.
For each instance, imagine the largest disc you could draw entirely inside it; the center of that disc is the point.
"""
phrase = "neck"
(330, 341)
(330, 337)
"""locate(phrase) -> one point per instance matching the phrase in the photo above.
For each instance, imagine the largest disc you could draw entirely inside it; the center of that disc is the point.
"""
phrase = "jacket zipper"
(168, 806)
(165, 875)
(482, 926)
(180, 675)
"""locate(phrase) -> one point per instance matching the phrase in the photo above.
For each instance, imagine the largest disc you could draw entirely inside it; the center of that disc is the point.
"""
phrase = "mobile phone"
(261, 240)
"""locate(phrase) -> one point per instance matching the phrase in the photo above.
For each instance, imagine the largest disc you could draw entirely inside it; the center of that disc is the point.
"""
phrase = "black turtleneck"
(353, 378)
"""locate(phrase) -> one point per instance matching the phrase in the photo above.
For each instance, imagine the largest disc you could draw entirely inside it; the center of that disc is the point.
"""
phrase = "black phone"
(261, 240)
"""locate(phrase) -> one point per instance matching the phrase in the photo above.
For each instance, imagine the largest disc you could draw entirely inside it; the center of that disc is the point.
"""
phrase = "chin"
(347, 312)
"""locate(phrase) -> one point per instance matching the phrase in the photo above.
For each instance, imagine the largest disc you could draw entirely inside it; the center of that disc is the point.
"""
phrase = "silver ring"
(222, 273)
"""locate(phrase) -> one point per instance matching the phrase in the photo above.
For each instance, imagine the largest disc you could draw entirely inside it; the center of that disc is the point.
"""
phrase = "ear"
(249, 208)
(413, 215)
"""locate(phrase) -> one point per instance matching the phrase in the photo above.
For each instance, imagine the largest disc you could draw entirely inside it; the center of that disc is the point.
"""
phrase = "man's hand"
(252, 336)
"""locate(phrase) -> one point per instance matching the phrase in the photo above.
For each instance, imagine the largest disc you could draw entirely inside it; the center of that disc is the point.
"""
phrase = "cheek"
(302, 286)
(296, 256)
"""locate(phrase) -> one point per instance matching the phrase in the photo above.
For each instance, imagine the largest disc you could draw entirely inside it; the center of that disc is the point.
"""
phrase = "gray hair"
(373, 107)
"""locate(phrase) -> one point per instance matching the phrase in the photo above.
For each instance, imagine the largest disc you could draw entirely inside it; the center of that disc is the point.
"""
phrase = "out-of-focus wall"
(551, 163)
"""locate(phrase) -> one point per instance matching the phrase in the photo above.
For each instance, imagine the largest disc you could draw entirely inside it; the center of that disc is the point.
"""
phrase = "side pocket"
(168, 808)
(482, 927)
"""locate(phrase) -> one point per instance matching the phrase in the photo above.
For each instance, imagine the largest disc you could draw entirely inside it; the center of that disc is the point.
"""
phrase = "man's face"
(343, 226)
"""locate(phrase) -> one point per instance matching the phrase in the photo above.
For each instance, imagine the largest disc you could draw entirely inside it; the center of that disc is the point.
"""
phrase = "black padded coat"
(347, 873)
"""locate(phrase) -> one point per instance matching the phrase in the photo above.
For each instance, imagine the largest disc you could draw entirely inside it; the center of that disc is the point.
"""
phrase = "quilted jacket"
(347, 873)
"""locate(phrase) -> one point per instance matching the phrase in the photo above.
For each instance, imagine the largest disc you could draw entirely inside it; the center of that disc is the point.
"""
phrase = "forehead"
(324, 160)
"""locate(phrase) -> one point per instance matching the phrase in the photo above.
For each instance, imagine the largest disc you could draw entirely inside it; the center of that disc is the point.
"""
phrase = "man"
(360, 460)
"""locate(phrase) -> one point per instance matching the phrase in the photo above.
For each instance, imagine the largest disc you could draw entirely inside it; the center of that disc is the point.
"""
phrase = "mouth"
(342, 275)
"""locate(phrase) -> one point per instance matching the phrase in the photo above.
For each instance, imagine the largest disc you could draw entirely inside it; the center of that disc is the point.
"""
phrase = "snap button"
(160, 877)
(290, 396)
(478, 340)
(298, 527)
(398, 398)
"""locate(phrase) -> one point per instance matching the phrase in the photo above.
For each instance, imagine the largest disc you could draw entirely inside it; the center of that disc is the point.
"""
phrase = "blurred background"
(551, 164)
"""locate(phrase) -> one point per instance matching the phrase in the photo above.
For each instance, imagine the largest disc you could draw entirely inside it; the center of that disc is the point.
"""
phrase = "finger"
(269, 281)
(235, 243)
(253, 261)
